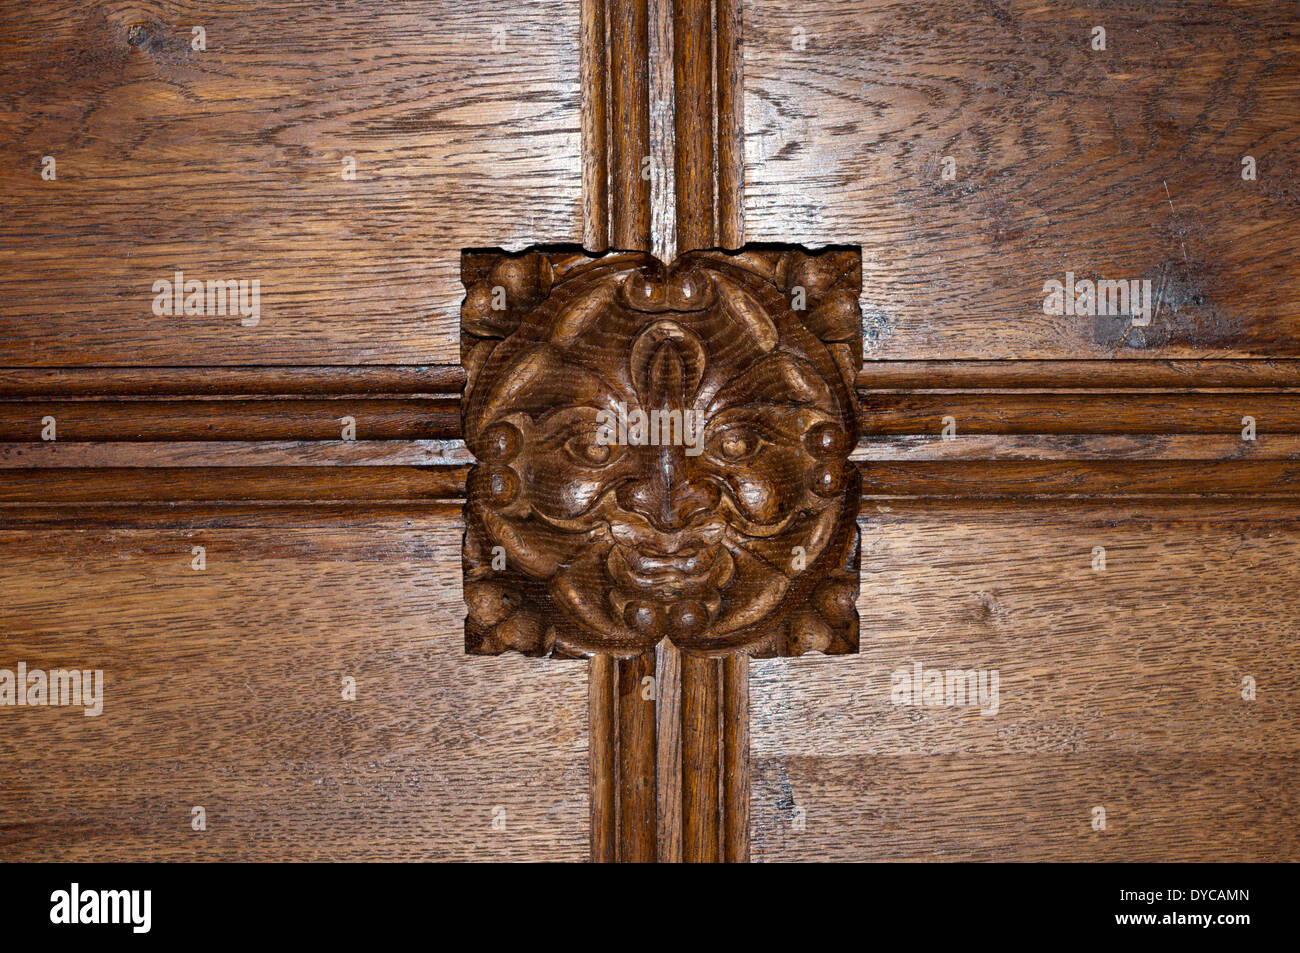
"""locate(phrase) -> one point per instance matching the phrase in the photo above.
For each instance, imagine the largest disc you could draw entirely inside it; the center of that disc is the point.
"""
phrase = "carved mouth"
(653, 566)
(669, 575)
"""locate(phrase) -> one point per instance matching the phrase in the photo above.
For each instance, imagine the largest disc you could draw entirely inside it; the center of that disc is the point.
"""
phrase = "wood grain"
(595, 126)
(729, 121)
(223, 689)
(247, 381)
(1119, 688)
(638, 829)
(1111, 448)
(1094, 479)
(701, 743)
(237, 453)
(1085, 413)
(463, 119)
(1131, 374)
(629, 106)
(602, 734)
(668, 738)
(694, 124)
(110, 421)
(1122, 164)
(383, 484)
(663, 143)
(736, 775)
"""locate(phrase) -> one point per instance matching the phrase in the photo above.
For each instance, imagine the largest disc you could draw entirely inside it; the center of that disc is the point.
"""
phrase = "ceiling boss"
(662, 452)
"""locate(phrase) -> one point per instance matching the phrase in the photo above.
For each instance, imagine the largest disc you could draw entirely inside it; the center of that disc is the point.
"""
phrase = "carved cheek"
(757, 497)
(564, 491)
(766, 493)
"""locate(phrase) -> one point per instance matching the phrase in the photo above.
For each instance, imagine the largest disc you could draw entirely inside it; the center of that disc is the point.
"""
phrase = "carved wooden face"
(663, 454)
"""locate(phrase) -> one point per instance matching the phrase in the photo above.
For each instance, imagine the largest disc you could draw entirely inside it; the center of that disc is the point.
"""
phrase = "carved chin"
(701, 599)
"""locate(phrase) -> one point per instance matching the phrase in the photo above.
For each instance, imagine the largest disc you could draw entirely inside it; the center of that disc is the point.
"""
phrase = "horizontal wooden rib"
(976, 479)
(381, 380)
(1094, 413)
(392, 514)
(1070, 375)
(221, 453)
(1219, 512)
(128, 420)
(234, 484)
(1084, 478)
(230, 381)
(424, 418)
(1117, 448)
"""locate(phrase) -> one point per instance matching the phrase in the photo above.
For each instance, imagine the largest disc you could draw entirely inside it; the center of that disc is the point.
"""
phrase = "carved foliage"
(662, 452)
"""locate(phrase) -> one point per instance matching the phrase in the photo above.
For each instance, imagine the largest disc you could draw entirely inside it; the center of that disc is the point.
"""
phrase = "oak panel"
(1122, 164)
(1119, 688)
(227, 163)
(224, 690)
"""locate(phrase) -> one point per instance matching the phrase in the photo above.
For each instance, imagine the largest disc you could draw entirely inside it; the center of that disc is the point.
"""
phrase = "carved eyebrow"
(537, 382)
(748, 313)
(780, 378)
(581, 410)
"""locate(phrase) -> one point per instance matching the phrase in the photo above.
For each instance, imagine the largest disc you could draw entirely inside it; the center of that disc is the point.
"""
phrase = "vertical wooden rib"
(595, 143)
(616, 211)
(700, 751)
(669, 688)
(694, 123)
(602, 719)
(629, 112)
(670, 778)
(637, 829)
(728, 72)
(735, 759)
(663, 226)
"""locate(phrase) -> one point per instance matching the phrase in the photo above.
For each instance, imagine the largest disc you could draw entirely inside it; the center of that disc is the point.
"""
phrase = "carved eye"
(736, 444)
(583, 448)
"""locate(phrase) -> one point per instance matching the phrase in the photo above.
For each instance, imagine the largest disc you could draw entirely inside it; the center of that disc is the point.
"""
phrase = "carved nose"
(666, 492)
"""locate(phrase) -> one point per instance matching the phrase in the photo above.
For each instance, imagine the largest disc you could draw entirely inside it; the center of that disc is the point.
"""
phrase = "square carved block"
(662, 452)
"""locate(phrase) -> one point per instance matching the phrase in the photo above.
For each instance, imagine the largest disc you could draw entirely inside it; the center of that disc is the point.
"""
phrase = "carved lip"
(649, 566)
(635, 533)
(661, 574)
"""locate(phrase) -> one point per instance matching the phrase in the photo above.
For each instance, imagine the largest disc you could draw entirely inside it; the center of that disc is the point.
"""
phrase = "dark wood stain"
(1120, 688)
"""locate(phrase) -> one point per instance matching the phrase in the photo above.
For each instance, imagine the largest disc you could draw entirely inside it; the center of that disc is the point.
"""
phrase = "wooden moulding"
(108, 417)
(715, 759)
(693, 736)
(708, 89)
(616, 124)
(301, 381)
(624, 820)
(181, 485)
(1088, 375)
(134, 420)
(1094, 412)
(668, 681)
